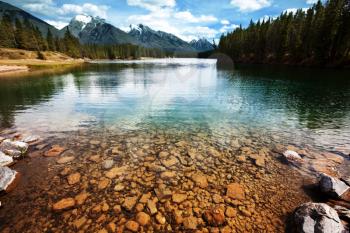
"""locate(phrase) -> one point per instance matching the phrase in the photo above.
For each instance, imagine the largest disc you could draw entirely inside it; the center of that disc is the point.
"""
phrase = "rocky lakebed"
(170, 180)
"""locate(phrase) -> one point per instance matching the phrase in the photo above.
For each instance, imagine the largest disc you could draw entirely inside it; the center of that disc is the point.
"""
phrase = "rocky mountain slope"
(15, 12)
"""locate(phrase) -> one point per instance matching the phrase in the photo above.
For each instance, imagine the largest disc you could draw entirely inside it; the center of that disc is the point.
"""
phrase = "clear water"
(299, 105)
(209, 120)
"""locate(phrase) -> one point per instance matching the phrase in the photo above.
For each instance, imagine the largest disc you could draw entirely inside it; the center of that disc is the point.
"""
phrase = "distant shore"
(14, 61)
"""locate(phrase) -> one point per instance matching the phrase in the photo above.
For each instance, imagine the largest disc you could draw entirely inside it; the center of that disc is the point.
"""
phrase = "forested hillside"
(317, 36)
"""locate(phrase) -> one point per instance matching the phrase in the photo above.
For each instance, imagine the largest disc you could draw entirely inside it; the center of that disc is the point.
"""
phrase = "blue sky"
(188, 19)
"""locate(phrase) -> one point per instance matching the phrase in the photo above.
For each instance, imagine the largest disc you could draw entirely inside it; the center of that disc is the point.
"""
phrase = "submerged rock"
(316, 217)
(8, 179)
(55, 151)
(5, 160)
(64, 204)
(290, 155)
(332, 186)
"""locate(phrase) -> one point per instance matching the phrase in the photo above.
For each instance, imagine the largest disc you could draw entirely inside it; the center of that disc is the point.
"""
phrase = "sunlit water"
(301, 105)
(205, 117)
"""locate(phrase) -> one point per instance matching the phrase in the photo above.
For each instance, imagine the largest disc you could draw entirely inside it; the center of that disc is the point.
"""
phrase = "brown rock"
(170, 162)
(145, 198)
(143, 219)
(214, 217)
(178, 198)
(111, 227)
(129, 203)
(54, 151)
(119, 187)
(190, 223)
(152, 207)
(132, 226)
(200, 180)
(260, 162)
(114, 172)
(160, 219)
(64, 204)
(65, 159)
(231, 212)
(79, 222)
(73, 178)
(104, 183)
(95, 158)
(167, 175)
(81, 198)
(235, 191)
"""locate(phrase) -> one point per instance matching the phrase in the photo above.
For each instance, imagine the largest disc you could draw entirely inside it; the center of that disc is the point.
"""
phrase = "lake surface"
(211, 120)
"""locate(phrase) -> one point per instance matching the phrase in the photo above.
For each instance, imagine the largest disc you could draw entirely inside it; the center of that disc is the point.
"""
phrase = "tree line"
(319, 35)
(24, 35)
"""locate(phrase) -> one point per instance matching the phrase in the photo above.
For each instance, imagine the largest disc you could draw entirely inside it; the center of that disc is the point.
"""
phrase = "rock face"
(14, 148)
(5, 160)
(316, 217)
(332, 186)
(7, 178)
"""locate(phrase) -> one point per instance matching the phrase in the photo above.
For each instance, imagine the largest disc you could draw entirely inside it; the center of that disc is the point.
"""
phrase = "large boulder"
(8, 178)
(316, 218)
(13, 148)
(5, 160)
(332, 186)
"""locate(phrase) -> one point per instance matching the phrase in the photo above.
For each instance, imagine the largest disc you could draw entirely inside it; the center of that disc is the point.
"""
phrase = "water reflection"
(302, 105)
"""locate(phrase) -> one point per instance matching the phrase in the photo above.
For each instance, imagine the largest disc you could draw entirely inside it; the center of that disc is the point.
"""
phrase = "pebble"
(132, 226)
(129, 203)
(178, 198)
(143, 219)
(64, 204)
(64, 160)
(73, 178)
(190, 223)
(108, 164)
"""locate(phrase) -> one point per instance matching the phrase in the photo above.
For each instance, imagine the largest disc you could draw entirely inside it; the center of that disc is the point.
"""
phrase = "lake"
(177, 132)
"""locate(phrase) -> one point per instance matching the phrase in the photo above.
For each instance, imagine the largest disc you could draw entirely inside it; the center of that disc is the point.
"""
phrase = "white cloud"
(225, 22)
(227, 28)
(49, 8)
(311, 1)
(57, 24)
(293, 10)
(164, 16)
(86, 8)
(187, 16)
(250, 5)
(152, 5)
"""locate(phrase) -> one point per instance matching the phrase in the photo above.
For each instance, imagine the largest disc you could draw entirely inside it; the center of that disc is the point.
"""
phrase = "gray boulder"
(7, 177)
(332, 186)
(316, 218)
(5, 160)
(14, 148)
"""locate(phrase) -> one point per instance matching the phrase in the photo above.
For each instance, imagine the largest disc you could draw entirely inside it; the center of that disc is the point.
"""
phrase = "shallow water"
(213, 121)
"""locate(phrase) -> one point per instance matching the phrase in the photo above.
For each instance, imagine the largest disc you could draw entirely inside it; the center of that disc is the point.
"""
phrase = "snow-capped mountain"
(202, 45)
(95, 30)
(157, 39)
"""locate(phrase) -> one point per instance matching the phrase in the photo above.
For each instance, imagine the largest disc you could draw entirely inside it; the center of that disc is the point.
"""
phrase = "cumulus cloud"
(228, 28)
(57, 24)
(164, 16)
(152, 5)
(86, 8)
(250, 5)
(225, 22)
(187, 16)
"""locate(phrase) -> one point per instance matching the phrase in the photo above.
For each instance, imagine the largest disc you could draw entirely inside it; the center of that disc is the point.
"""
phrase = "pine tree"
(50, 40)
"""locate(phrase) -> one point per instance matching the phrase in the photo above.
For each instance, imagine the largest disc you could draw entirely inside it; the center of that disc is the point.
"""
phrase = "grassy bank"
(17, 60)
